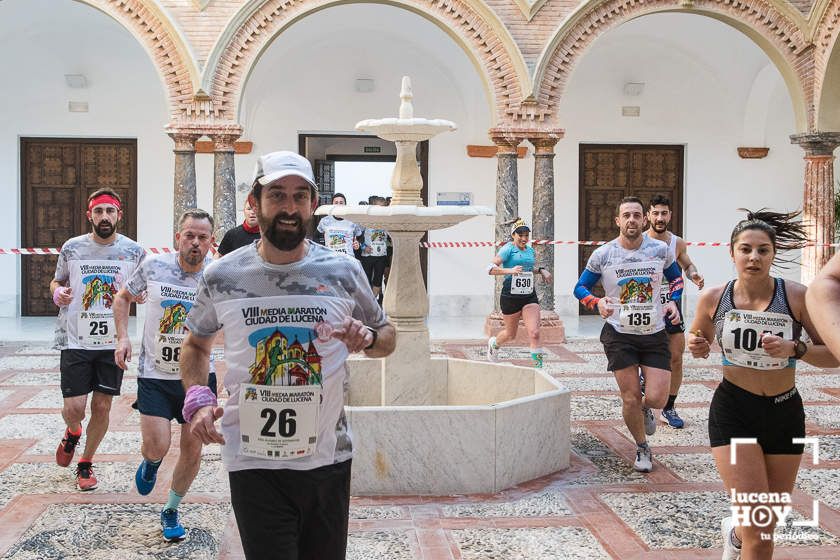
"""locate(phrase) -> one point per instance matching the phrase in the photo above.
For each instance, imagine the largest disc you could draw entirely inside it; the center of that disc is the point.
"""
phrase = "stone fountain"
(435, 426)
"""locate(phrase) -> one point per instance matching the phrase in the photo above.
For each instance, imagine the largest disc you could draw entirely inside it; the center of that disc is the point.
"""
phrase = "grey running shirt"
(171, 293)
(632, 276)
(277, 321)
(95, 273)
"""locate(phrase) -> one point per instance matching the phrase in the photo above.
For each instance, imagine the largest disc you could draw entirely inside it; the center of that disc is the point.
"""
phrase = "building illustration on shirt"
(174, 317)
(276, 362)
(635, 290)
(99, 292)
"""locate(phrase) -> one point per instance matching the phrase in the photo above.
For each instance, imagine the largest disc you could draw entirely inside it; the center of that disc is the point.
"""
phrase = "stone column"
(224, 180)
(543, 214)
(818, 198)
(185, 189)
(507, 191)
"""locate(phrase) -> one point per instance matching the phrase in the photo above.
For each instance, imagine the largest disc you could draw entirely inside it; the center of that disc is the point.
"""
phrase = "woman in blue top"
(758, 321)
(515, 261)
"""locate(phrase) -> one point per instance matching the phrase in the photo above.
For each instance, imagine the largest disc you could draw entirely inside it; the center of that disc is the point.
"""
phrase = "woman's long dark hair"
(785, 230)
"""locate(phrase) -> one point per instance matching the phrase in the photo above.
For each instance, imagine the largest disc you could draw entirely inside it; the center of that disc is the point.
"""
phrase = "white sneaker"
(492, 349)
(730, 551)
(650, 421)
(644, 458)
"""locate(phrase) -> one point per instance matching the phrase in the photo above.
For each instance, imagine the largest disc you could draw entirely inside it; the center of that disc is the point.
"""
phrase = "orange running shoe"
(66, 449)
(85, 479)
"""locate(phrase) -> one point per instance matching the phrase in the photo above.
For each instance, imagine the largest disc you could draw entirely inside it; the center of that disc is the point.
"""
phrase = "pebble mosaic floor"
(599, 508)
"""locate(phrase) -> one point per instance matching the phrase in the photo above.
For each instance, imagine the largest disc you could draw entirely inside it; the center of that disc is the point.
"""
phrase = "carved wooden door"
(57, 175)
(608, 173)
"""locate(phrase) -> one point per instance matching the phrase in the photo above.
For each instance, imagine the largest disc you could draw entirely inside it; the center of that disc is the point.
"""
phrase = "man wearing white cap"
(291, 311)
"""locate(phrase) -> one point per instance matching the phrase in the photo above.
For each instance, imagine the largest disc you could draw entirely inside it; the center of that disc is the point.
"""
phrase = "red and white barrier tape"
(427, 245)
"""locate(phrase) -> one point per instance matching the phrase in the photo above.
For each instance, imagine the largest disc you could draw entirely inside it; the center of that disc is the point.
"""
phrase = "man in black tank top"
(659, 218)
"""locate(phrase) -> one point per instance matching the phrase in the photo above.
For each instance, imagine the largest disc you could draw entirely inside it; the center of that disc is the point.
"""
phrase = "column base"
(552, 330)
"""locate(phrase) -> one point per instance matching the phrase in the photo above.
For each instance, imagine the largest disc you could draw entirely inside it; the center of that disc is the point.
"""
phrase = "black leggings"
(374, 268)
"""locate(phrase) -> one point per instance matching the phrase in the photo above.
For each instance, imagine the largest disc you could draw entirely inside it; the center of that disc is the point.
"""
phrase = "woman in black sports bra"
(757, 320)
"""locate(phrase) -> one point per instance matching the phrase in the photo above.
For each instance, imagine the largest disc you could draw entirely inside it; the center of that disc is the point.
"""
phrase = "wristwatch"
(800, 349)
(375, 335)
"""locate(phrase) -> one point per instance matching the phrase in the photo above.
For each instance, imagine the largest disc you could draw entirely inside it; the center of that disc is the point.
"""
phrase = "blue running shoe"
(145, 477)
(173, 531)
(672, 418)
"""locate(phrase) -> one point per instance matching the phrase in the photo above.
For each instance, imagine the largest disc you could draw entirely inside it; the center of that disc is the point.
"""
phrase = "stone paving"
(598, 508)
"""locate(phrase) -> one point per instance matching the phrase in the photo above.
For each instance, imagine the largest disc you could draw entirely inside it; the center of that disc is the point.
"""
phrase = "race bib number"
(664, 294)
(339, 240)
(378, 248)
(168, 352)
(278, 422)
(741, 340)
(522, 284)
(637, 318)
(96, 328)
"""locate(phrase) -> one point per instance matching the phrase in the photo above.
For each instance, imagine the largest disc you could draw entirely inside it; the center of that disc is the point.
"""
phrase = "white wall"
(42, 40)
(305, 81)
(698, 76)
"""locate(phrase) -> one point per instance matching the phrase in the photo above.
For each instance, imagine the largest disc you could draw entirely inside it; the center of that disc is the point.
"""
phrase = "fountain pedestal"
(424, 425)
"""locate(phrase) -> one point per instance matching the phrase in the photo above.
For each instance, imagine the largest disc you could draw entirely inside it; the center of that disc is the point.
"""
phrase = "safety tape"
(427, 245)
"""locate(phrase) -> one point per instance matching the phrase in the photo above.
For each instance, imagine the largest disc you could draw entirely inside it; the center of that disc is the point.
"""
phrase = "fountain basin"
(404, 217)
(489, 426)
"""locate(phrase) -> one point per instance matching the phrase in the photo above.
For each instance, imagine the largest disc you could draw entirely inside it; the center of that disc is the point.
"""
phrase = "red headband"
(103, 199)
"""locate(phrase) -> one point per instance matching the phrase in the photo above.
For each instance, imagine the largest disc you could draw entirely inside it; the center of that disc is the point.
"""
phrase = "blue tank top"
(512, 256)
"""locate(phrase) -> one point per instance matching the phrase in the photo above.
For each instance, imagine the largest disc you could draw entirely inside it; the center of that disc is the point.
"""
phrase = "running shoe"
(66, 449)
(650, 421)
(538, 360)
(730, 551)
(492, 349)
(644, 459)
(172, 529)
(85, 479)
(672, 418)
(145, 477)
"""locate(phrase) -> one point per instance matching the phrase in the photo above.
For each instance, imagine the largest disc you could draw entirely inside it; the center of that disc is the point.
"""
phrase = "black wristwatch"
(375, 335)
(800, 349)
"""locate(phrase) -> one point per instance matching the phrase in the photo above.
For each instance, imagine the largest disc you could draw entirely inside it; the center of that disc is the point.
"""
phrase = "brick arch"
(827, 62)
(471, 25)
(777, 30)
(168, 51)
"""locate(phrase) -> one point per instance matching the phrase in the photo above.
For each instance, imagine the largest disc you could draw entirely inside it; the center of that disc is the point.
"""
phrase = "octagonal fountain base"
(489, 426)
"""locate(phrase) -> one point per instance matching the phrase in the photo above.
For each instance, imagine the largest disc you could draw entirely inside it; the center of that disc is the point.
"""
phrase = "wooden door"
(608, 173)
(57, 175)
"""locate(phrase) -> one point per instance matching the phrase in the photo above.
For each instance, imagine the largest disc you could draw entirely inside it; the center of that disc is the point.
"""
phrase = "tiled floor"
(598, 508)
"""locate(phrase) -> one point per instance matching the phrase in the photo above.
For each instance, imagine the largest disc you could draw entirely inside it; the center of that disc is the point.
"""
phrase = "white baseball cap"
(276, 165)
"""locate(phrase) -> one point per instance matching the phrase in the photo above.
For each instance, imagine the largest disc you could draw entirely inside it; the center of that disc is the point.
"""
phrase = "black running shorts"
(285, 514)
(679, 328)
(511, 305)
(773, 421)
(164, 397)
(625, 350)
(83, 371)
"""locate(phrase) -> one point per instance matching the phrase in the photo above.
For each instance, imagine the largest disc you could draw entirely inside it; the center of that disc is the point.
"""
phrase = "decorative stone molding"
(184, 141)
(778, 29)
(752, 153)
(545, 140)
(817, 144)
(475, 27)
(168, 51)
(224, 137)
(508, 138)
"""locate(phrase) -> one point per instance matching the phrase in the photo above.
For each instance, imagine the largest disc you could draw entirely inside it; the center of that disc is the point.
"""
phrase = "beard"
(276, 234)
(104, 229)
(632, 236)
(192, 258)
(659, 227)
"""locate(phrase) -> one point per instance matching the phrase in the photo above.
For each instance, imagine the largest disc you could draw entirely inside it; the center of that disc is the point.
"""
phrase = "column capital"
(817, 143)
(545, 140)
(507, 138)
(224, 136)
